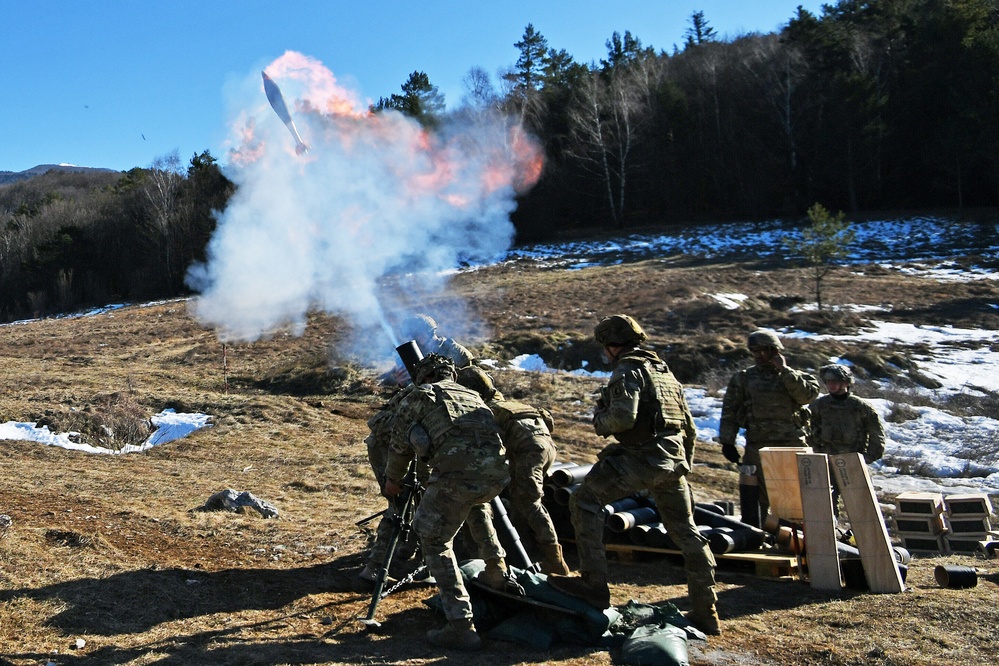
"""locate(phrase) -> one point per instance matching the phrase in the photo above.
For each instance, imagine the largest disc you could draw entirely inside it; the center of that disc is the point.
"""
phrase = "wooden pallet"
(764, 565)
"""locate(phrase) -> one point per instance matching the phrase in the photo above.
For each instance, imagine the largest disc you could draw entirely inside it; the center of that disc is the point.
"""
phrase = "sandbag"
(652, 645)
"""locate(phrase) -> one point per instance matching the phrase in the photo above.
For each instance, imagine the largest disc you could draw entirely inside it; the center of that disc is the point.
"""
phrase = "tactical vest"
(460, 427)
(660, 411)
(510, 410)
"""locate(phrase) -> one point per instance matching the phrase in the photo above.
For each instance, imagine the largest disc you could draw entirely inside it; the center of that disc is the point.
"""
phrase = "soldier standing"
(530, 450)
(842, 422)
(452, 429)
(643, 407)
(770, 401)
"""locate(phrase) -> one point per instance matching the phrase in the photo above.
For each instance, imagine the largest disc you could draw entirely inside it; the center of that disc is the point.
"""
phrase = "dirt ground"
(112, 549)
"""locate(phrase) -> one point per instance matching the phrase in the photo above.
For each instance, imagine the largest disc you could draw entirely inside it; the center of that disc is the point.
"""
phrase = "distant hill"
(14, 176)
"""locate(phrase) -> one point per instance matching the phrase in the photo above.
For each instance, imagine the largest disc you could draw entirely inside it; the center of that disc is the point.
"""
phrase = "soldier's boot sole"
(455, 638)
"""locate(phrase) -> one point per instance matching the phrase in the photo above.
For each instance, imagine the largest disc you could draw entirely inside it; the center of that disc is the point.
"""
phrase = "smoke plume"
(376, 195)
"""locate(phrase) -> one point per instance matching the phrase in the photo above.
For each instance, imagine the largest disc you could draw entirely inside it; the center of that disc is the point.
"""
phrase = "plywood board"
(819, 523)
(780, 473)
(867, 523)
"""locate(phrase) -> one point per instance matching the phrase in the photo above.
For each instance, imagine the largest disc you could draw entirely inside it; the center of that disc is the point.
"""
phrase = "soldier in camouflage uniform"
(530, 450)
(452, 429)
(843, 423)
(643, 407)
(377, 441)
(770, 401)
(423, 329)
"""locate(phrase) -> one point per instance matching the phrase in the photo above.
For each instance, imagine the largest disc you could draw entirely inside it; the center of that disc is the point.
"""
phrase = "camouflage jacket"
(770, 405)
(644, 408)
(449, 427)
(845, 425)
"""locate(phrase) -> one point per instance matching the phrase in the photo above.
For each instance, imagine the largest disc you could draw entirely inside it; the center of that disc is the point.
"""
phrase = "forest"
(869, 106)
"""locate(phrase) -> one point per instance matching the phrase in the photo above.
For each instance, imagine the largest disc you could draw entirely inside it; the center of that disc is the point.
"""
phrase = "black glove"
(730, 452)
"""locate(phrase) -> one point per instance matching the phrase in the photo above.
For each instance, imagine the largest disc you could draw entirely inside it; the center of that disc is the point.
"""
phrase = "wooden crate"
(919, 525)
(925, 544)
(971, 504)
(966, 546)
(962, 527)
(919, 504)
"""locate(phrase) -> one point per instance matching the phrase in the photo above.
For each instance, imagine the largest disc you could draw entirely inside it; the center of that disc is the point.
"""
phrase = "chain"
(409, 578)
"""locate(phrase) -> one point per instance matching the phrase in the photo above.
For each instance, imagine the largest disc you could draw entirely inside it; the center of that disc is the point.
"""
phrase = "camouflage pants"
(751, 456)
(618, 476)
(528, 466)
(447, 504)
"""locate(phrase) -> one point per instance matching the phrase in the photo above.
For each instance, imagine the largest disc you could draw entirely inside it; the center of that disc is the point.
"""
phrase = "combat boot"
(706, 620)
(590, 587)
(552, 562)
(456, 635)
(494, 575)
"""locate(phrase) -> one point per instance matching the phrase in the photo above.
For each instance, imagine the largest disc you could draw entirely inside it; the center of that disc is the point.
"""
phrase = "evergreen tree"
(420, 99)
(699, 31)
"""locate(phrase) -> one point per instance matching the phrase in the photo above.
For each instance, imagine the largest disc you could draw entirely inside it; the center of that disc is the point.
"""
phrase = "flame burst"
(377, 194)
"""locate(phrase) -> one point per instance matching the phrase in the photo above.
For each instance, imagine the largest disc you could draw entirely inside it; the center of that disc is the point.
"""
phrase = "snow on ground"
(169, 426)
(925, 451)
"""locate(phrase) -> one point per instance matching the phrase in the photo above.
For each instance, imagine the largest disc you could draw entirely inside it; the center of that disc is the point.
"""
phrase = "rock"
(232, 500)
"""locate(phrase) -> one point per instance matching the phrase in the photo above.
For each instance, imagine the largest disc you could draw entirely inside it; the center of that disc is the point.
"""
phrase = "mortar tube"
(410, 354)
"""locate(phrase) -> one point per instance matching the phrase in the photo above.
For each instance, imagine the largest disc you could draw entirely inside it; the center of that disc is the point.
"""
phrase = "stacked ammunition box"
(969, 520)
(919, 521)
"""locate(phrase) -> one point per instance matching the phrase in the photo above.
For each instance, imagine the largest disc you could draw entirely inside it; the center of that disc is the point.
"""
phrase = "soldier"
(842, 422)
(770, 401)
(379, 430)
(643, 407)
(452, 429)
(530, 450)
(423, 329)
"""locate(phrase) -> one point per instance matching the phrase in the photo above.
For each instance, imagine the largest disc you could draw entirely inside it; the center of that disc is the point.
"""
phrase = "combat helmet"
(619, 330)
(433, 368)
(476, 379)
(418, 325)
(762, 338)
(836, 372)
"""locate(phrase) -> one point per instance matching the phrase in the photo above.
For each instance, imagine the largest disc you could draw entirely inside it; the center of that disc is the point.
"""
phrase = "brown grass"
(110, 549)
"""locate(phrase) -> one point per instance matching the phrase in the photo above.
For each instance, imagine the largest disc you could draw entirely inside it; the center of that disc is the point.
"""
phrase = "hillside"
(110, 549)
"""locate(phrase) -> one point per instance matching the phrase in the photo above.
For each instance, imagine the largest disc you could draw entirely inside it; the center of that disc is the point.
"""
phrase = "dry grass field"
(111, 550)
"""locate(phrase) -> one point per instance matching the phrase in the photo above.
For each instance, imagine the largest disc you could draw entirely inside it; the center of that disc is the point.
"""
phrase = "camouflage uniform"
(452, 429)
(377, 441)
(526, 433)
(644, 408)
(771, 406)
(448, 348)
(846, 424)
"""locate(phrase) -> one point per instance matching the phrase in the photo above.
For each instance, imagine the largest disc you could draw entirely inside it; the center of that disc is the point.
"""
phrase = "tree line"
(69, 239)
(870, 105)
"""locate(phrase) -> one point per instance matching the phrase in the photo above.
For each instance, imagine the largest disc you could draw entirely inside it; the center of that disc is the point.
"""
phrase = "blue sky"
(116, 83)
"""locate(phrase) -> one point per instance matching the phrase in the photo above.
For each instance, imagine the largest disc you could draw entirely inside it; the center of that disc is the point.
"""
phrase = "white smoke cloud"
(375, 196)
